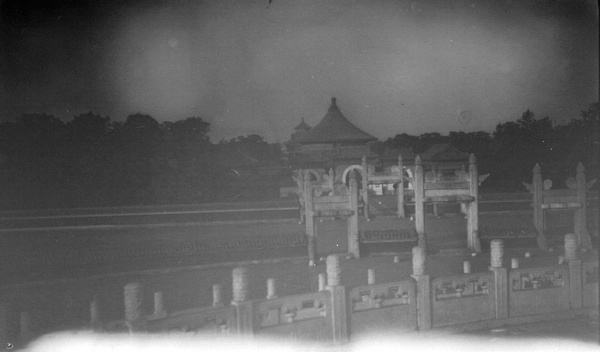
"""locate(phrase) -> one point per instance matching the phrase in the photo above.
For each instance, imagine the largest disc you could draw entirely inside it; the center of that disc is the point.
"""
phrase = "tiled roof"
(334, 128)
(443, 152)
(302, 126)
(408, 156)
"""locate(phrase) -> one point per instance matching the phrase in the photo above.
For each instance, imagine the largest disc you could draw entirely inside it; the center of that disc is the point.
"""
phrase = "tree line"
(93, 161)
(511, 151)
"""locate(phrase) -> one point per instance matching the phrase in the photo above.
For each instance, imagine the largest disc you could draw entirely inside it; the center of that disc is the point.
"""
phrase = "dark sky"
(249, 67)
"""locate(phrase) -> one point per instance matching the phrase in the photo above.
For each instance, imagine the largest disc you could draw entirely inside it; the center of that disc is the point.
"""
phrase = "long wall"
(336, 314)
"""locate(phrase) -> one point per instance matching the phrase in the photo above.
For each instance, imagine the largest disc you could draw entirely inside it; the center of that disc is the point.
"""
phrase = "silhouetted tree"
(31, 145)
(189, 171)
(253, 167)
(426, 140)
(518, 146)
(578, 141)
(254, 148)
(133, 149)
(93, 161)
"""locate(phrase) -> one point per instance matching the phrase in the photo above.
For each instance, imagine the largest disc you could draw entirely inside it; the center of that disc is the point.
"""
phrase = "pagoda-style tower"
(333, 143)
(300, 130)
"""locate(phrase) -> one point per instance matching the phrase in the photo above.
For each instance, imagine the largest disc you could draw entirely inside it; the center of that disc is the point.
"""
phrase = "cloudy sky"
(250, 66)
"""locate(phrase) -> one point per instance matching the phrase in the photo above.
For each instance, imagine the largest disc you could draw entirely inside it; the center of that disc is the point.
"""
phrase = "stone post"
(538, 213)
(419, 259)
(244, 319)
(271, 288)
(463, 205)
(353, 245)
(365, 188)
(571, 247)
(580, 221)
(500, 278)
(497, 253)
(473, 241)
(339, 306)
(419, 203)
(334, 270)
(217, 293)
(240, 284)
(434, 206)
(95, 316)
(309, 217)
(322, 281)
(159, 307)
(514, 263)
(370, 277)
(575, 271)
(133, 295)
(466, 267)
(401, 212)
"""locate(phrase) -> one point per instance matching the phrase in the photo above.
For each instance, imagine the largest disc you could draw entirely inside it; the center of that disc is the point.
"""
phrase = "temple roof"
(302, 126)
(408, 156)
(334, 128)
(443, 152)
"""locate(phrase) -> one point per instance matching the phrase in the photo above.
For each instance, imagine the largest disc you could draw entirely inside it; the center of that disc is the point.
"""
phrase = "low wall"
(335, 313)
(298, 317)
(206, 319)
(590, 278)
(538, 291)
(463, 299)
(378, 307)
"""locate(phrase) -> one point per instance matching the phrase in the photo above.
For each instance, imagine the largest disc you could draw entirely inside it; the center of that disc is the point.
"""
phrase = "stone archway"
(346, 173)
(409, 181)
(316, 174)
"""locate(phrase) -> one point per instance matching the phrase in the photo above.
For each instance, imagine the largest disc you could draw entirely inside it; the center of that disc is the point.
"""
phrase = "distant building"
(299, 131)
(444, 157)
(248, 178)
(333, 143)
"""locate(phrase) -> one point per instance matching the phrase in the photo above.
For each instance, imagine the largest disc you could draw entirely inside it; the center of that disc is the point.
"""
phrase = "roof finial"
(333, 99)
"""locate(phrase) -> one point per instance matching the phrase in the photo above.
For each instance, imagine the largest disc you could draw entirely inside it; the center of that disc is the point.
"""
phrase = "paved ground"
(31, 255)
(64, 303)
(579, 328)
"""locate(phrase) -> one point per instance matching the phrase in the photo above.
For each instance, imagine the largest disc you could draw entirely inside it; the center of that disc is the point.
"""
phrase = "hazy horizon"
(253, 67)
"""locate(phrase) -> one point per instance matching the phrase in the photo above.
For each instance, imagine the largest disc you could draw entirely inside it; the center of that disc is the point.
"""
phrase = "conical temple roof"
(302, 126)
(334, 128)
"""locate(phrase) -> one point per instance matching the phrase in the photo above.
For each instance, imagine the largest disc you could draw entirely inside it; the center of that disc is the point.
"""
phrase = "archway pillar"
(365, 189)
(400, 192)
(473, 241)
(419, 203)
(309, 216)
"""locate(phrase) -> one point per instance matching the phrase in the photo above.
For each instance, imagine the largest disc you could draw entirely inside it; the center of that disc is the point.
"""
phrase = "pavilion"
(334, 143)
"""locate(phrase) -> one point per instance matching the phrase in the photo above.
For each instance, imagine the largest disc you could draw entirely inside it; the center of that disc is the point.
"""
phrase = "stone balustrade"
(498, 295)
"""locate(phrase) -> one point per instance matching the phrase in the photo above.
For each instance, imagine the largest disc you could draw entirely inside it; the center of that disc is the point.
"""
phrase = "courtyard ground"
(64, 303)
(577, 328)
(55, 253)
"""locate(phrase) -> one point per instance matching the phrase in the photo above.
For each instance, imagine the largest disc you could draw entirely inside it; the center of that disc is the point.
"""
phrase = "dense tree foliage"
(254, 149)
(512, 150)
(93, 161)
